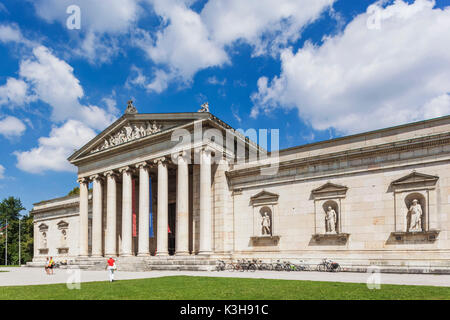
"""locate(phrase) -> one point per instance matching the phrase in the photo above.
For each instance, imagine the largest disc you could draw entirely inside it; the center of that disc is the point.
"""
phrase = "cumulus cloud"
(11, 127)
(182, 47)
(12, 33)
(15, 93)
(52, 81)
(189, 41)
(264, 24)
(2, 172)
(390, 65)
(100, 22)
(53, 151)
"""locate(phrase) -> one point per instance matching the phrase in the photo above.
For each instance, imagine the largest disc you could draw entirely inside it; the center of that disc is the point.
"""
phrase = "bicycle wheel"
(265, 266)
(278, 267)
(338, 269)
(229, 267)
(252, 267)
(321, 267)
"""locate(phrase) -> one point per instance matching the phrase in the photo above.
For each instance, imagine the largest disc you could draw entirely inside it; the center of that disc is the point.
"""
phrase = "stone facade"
(366, 184)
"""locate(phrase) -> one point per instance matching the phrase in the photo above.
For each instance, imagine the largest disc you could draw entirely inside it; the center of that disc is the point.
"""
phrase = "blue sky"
(315, 69)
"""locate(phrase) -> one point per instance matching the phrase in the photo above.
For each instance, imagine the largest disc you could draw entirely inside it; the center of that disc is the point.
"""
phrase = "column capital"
(160, 160)
(126, 169)
(96, 177)
(83, 180)
(143, 164)
(204, 149)
(110, 173)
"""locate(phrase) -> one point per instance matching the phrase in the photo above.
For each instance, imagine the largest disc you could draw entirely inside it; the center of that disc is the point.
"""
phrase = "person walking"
(51, 264)
(111, 266)
(47, 271)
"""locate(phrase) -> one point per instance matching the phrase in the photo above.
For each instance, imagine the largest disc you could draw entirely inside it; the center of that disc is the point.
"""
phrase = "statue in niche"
(266, 225)
(44, 240)
(330, 220)
(415, 212)
(63, 238)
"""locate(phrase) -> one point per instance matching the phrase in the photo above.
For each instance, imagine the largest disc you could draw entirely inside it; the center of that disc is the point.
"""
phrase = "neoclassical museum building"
(181, 190)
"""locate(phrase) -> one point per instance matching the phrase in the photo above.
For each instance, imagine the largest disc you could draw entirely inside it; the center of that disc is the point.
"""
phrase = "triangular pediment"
(415, 178)
(329, 188)
(43, 227)
(132, 128)
(264, 196)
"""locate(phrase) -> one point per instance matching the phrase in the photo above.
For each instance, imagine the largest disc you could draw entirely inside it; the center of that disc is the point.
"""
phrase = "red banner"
(133, 200)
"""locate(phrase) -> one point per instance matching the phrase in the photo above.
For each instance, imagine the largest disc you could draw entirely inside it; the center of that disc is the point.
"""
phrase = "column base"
(112, 255)
(144, 254)
(83, 256)
(96, 256)
(126, 255)
(205, 253)
(182, 253)
(163, 254)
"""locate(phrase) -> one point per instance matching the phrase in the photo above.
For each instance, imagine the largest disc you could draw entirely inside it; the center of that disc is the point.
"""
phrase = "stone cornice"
(364, 152)
(58, 207)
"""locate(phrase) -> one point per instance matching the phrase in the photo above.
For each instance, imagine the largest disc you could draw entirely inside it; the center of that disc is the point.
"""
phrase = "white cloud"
(214, 81)
(12, 33)
(265, 24)
(191, 41)
(15, 93)
(11, 127)
(183, 47)
(53, 151)
(101, 21)
(2, 172)
(367, 78)
(52, 81)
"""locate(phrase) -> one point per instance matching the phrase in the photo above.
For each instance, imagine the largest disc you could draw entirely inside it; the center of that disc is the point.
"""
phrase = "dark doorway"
(172, 219)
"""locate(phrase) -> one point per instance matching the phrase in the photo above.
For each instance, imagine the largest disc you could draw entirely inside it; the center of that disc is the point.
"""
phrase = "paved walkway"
(35, 276)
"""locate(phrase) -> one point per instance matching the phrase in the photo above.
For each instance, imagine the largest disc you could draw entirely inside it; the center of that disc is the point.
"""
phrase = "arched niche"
(329, 195)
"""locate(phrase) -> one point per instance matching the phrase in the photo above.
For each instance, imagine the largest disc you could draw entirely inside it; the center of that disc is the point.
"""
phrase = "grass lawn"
(208, 288)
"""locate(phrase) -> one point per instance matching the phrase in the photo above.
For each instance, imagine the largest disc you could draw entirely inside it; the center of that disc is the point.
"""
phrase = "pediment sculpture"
(129, 133)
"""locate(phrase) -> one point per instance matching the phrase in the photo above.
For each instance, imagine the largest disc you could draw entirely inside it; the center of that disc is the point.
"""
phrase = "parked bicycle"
(328, 265)
(220, 265)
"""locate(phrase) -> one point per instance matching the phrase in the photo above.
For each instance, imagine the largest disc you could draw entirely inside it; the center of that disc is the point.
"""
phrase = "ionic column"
(144, 209)
(97, 216)
(111, 214)
(84, 219)
(163, 205)
(182, 219)
(127, 209)
(205, 202)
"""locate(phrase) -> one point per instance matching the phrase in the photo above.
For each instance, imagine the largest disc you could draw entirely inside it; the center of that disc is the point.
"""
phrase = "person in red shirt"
(111, 266)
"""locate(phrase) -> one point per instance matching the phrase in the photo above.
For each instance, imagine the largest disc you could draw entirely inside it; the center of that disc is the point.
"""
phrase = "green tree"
(74, 191)
(10, 209)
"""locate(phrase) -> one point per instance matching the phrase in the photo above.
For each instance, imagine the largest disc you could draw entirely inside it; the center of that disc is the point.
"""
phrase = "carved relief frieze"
(130, 132)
